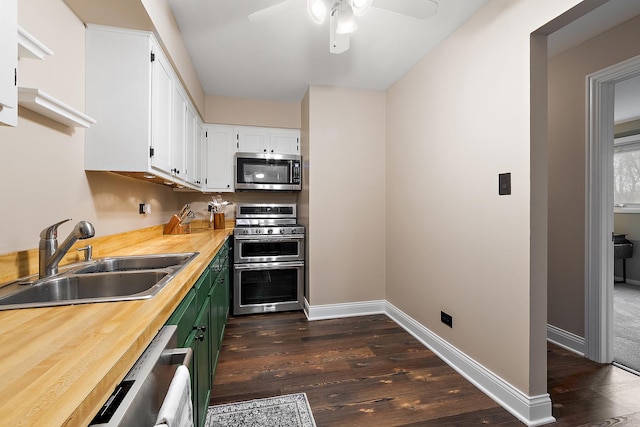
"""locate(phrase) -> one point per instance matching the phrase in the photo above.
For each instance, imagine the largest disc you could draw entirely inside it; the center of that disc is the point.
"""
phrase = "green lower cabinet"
(202, 365)
(201, 319)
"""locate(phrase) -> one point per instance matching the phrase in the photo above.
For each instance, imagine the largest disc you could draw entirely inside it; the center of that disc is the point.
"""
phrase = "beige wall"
(255, 112)
(567, 156)
(346, 193)
(147, 15)
(454, 122)
(42, 162)
(168, 32)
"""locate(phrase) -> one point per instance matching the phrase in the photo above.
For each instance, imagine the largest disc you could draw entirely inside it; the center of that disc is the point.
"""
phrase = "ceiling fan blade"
(421, 9)
(275, 10)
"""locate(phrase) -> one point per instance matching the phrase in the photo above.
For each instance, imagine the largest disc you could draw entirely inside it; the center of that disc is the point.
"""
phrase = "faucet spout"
(51, 254)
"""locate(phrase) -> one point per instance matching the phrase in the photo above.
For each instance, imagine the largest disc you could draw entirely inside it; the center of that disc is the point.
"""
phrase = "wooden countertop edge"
(79, 394)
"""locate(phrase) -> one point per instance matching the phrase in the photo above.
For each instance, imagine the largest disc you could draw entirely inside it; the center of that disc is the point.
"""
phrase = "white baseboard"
(332, 311)
(531, 410)
(566, 340)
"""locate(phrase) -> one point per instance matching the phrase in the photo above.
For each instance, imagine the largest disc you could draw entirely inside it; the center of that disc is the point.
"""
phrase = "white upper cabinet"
(284, 141)
(178, 140)
(251, 139)
(193, 148)
(162, 113)
(140, 107)
(8, 62)
(220, 149)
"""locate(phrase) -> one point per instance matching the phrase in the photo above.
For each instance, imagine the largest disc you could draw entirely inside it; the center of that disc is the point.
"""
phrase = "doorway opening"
(599, 328)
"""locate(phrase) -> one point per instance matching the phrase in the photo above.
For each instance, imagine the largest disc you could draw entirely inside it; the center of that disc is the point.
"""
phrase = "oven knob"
(293, 231)
(282, 231)
(257, 231)
(270, 231)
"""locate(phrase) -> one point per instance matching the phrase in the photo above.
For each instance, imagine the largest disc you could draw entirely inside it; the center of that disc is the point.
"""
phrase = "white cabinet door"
(284, 141)
(220, 149)
(8, 62)
(192, 148)
(161, 112)
(179, 128)
(252, 139)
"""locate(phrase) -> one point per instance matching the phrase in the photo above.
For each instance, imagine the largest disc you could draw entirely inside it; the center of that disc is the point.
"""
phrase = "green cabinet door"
(201, 386)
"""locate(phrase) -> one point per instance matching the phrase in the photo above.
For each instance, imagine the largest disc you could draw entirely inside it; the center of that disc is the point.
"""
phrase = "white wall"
(454, 122)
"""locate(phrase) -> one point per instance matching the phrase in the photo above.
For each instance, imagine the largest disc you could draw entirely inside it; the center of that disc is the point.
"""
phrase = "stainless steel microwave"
(257, 171)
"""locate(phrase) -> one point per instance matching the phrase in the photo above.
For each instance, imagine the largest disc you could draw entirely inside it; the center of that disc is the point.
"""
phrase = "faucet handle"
(51, 232)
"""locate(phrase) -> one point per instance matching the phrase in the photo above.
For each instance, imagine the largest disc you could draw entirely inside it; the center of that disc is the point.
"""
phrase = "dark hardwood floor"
(368, 371)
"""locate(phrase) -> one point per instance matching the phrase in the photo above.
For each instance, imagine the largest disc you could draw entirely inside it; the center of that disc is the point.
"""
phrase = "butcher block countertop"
(58, 365)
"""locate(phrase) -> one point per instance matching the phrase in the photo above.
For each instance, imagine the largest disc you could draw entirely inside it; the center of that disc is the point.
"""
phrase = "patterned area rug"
(291, 410)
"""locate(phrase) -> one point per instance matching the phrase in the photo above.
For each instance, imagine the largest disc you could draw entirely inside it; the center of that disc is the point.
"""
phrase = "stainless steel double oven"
(268, 259)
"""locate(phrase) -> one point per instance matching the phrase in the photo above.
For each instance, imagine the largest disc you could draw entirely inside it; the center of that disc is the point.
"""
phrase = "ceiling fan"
(342, 14)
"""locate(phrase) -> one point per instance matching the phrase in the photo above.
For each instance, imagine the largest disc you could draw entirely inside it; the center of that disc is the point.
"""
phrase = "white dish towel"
(177, 409)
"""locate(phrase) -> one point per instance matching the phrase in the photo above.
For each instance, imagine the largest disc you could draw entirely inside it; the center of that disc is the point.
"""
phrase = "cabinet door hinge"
(151, 152)
(153, 56)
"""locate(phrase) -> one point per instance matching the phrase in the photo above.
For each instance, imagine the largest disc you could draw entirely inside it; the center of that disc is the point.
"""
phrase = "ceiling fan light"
(346, 22)
(317, 10)
(360, 7)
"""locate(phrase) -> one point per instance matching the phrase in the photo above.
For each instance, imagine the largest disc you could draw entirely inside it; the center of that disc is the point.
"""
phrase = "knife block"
(182, 229)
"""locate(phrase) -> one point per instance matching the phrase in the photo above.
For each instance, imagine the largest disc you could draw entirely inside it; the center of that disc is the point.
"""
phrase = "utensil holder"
(218, 221)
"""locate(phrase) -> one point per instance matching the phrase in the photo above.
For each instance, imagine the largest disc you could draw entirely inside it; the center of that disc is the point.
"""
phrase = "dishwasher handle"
(178, 356)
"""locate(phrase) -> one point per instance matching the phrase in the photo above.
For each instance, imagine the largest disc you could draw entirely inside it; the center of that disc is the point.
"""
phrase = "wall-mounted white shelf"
(30, 47)
(45, 104)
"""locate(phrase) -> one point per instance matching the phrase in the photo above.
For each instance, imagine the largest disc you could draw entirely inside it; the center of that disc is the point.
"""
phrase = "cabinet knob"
(265, 150)
(200, 337)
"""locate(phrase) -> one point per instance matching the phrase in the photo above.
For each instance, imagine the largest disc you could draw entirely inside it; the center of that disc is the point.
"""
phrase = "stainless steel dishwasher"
(138, 398)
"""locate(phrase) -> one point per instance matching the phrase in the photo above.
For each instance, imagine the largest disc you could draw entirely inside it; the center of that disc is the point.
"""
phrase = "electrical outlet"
(446, 319)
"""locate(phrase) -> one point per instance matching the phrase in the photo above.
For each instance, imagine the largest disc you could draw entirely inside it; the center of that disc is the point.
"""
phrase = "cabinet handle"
(200, 337)
(265, 150)
(200, 328)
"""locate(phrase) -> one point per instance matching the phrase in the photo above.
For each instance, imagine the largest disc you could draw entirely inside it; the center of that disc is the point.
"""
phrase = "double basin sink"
(100, 280)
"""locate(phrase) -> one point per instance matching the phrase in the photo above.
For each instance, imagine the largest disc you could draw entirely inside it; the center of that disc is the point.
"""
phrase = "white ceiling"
(279, 57)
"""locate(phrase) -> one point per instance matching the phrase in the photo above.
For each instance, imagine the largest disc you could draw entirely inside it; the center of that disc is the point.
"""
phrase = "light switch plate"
(504, 184)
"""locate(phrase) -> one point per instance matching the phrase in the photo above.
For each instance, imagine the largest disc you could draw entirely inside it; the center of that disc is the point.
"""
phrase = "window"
(626, 172)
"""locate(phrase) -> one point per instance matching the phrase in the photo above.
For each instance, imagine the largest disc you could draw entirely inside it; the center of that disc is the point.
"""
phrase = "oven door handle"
(268, 265)
(269, 239)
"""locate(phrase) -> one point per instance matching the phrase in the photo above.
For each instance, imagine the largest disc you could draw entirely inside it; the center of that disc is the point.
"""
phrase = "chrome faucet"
(50, 254)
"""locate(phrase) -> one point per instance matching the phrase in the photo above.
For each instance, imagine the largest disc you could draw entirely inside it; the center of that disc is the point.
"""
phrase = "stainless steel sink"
(142, 262)
(100, 280)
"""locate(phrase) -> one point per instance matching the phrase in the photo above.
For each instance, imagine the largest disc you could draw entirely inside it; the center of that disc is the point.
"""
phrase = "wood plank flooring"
(368, 371)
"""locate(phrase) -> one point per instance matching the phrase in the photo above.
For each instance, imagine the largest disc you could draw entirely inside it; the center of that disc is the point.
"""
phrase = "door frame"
(599, 208)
